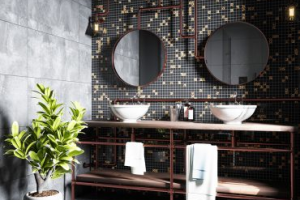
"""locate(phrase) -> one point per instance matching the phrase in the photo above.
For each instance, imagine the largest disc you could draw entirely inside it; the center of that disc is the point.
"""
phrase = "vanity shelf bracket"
(180, 7)
(292, 160)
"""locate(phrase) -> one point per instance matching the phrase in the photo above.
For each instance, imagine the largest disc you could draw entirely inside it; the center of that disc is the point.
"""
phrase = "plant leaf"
(29, 146)
(56, 123)
(65, 166)
(71, 125)
(75, 153)
(34, 156)
(15, 129)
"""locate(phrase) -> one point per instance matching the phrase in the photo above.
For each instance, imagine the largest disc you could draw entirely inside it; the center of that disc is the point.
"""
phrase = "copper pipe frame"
(242, 149)
(101, 15)
(292, 138)
(180, 7)
(171, 190)
(222, 195)
(171, 156)
(202, 141)
(114, 162)
(208, 100)
(104, 14)
(96, 147)
(237, 196)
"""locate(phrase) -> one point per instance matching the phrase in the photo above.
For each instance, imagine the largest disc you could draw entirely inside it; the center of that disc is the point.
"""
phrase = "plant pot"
(58, 196)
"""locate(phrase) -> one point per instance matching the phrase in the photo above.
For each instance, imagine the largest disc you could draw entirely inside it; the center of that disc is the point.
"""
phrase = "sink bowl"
(232, 114)
(129, 113)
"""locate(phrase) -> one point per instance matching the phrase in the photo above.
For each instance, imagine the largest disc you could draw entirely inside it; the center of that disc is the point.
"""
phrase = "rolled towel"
(135, 158)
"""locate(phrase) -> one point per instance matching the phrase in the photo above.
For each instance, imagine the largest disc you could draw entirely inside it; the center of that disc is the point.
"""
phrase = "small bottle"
(191, 113)
(186, 110)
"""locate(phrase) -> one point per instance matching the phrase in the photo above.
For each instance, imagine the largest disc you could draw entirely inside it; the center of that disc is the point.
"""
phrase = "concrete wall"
(41, 41)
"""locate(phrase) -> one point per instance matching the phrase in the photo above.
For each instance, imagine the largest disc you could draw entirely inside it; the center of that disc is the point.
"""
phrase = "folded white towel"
(204, 185)
(135, 158)
(199, 153)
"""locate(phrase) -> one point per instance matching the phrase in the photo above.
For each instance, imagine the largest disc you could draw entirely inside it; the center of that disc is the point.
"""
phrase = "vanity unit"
(237, 188)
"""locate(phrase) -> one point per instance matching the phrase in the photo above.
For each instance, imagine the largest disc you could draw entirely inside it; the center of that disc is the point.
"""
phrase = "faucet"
(137, 96)
(235, 98)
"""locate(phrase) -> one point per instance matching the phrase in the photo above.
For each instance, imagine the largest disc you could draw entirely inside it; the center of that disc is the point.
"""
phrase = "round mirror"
(236, 53)
(139, 57)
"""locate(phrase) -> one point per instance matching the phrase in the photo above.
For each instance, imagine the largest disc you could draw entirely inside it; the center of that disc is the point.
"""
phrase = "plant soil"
(44, 193)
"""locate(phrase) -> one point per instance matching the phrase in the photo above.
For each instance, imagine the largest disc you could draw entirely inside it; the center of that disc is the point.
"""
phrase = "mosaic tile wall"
(184, 77)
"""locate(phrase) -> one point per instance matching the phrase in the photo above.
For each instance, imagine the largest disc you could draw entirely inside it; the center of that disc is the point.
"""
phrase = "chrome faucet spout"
(137, 96)
(235, 98)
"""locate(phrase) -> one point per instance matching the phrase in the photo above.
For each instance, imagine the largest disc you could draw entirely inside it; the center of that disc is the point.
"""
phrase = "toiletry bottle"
(191, 113)
(186, 110)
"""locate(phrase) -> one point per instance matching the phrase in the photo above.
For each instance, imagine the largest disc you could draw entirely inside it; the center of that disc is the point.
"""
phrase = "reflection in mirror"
(236, 53)
(139, 57)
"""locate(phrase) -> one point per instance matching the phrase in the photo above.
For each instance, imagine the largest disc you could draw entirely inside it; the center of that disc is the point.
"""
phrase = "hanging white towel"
(135, 158)
(204, 158)
(199, 154)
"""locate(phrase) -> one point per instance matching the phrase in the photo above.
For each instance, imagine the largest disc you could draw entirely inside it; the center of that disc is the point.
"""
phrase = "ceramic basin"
(232, 114)
(129, 113)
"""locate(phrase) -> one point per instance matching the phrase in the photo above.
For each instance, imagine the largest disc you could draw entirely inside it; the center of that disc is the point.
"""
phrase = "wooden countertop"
(194, 126)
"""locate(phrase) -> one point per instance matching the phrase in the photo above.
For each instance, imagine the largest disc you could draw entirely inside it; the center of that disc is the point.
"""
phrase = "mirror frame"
(238, 22)
(164, 62)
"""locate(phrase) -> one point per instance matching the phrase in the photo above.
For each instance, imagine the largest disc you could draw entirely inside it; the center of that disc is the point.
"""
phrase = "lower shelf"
(160, 182)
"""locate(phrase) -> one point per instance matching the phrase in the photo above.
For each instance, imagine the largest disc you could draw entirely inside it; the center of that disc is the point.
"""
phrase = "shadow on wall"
(12, 170)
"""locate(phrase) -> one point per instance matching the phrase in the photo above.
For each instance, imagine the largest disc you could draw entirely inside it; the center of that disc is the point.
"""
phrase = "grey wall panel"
(14, 11)
(13, 101)
(13, 49)
(46, 55)
(87, 3)
(57, 17)
(85, 63)
(86, 99)
(39, 43)
(71, 65)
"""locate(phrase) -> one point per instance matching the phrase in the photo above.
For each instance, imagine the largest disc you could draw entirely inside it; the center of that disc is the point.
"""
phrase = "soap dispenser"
(191, 113)
(186, 110)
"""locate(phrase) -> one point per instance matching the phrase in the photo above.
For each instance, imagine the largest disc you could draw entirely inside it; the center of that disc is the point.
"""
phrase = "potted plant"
(49, 144)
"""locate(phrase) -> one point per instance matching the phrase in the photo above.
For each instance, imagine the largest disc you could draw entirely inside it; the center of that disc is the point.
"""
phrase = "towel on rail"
(199, 155)
(201, 172)
(135, 158)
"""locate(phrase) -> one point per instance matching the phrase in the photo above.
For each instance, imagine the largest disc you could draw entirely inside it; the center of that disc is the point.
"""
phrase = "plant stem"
(41, 182)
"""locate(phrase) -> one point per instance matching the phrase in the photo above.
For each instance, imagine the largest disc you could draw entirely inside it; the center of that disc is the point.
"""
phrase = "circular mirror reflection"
(139, 57)
(236, 53)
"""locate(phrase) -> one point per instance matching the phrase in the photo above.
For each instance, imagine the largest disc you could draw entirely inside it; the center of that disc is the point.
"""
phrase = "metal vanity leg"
(233, 144)
(171, 163)
(96, 149)
(292, 165)
(132, 138)
(73, 191)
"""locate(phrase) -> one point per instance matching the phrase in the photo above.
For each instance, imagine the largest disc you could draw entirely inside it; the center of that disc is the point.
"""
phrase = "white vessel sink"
(129, 113)
(232, 114)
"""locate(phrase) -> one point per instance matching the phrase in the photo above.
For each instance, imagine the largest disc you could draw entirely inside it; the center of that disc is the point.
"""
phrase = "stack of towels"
(135, 157)
(201, 172)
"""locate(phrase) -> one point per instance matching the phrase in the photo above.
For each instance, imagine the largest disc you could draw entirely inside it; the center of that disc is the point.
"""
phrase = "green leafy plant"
(49, 145)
